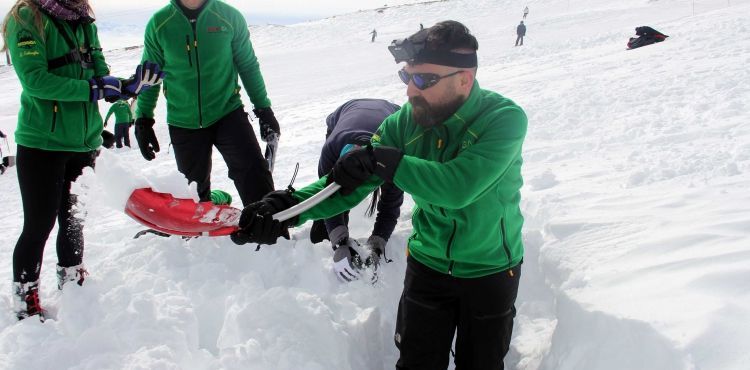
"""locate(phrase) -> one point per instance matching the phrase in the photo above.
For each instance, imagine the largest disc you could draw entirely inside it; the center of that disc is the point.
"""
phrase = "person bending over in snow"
(205, 45)
(354, 122)
(61, 67)
(456, 148)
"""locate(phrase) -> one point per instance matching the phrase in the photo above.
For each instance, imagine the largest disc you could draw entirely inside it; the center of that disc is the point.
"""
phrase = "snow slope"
(637, 165)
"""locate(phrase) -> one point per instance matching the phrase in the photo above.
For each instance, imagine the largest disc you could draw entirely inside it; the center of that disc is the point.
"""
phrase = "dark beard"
(428, 116)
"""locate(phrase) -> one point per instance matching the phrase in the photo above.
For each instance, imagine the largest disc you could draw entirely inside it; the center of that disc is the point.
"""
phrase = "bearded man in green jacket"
(456, 148)
(203, 46)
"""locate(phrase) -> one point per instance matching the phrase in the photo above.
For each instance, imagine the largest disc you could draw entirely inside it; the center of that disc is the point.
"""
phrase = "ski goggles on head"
(423, 81)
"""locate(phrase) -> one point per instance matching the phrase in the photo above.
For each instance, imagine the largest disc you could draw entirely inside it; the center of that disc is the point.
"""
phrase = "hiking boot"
(75, 273)
(26, 300)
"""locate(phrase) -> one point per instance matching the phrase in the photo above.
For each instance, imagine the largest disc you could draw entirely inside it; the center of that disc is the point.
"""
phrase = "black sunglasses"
(423, 81)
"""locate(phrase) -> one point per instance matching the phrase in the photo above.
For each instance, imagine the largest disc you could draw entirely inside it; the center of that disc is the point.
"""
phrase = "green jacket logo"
(25, 40)
(217, 29)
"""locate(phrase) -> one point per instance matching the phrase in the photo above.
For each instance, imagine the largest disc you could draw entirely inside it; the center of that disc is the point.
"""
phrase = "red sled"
(176, 216)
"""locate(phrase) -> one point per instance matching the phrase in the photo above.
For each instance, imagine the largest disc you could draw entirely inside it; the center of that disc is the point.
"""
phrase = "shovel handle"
(308, 203)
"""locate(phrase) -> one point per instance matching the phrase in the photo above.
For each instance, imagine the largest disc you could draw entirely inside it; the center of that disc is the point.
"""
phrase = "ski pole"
(308, 203)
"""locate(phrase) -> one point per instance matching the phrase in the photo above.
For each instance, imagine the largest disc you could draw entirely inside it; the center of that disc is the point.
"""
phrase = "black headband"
(412, 50)
(446, 58)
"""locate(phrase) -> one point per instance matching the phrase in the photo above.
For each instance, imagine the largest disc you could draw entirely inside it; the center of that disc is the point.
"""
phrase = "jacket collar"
(178, 5)
(467, 112)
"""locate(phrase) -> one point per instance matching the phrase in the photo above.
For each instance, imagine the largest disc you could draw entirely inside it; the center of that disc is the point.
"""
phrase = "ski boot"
(75, 273)
(26, 300)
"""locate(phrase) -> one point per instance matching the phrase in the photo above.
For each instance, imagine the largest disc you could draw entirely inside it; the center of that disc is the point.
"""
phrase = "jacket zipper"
(83, 105)
(54, 116)
(187, 45)
(86, 126)
(506, 247)
(448, 249)
(444, 145)
(198, 67)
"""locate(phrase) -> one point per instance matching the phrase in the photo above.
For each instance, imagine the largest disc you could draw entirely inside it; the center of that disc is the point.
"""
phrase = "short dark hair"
(450, 35)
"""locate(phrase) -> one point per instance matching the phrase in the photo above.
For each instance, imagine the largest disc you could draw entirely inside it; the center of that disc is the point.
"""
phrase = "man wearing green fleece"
(123, 121)
(204, 46)
(456, 149)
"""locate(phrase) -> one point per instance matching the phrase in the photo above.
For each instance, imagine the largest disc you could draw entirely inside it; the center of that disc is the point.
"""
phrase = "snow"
(637, 165)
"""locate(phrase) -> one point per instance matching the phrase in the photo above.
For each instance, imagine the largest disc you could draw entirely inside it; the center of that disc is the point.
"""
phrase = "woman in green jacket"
(60, 64)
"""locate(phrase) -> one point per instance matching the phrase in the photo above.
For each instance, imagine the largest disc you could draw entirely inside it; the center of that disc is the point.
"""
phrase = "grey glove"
(346, 261)
(375, 245)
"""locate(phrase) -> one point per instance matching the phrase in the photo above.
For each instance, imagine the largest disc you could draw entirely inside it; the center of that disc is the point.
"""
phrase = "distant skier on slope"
(456, 148)
(60, 64)
(374, 34)
(525, 11)
(3, 164)
(520, 32)
(354, 122)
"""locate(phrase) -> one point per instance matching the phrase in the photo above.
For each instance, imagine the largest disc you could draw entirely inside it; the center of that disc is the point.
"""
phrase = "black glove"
(388, 159)
(2, 135)
(352, 169)
(108, 139)
(260, 229)
(318, 232)
(268, 123)
(257, 224)
(358, 165)
(144, 134)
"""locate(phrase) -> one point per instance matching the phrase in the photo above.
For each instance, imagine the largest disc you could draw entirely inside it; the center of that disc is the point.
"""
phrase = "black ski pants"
(233, 136)
(122, 133)
(44, 178)
(434, 306)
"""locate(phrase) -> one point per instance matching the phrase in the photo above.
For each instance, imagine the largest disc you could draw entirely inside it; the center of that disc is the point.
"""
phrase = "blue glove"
(107, 87)
(146, 75)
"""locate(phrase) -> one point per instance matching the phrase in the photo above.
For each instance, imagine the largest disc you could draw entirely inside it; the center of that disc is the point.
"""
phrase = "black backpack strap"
(76, 55)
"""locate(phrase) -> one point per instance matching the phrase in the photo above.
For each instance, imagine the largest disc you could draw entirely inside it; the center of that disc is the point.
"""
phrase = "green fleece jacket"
(465, 178)
(56, 113)
(122, 112)
(201, 62)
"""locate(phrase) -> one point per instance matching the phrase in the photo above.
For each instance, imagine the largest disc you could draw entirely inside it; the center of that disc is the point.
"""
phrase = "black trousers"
(519, 38)
(233, 136)
(434, 306)
(122, 133)
(44, 179)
